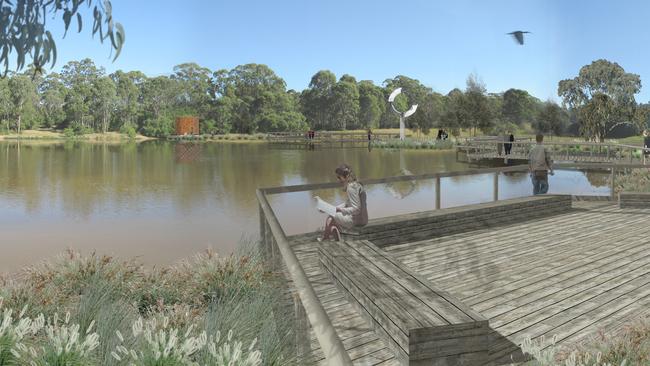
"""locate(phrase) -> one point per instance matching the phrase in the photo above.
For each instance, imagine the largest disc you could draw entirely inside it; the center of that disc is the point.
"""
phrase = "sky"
(437, 42)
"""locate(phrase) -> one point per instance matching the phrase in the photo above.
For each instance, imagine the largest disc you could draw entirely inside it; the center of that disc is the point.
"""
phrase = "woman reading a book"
(351, 213)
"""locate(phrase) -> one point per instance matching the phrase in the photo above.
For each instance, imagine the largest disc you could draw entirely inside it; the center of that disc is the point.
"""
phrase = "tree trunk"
(19, 117)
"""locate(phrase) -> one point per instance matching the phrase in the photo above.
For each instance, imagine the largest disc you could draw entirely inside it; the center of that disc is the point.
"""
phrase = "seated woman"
(351, 213)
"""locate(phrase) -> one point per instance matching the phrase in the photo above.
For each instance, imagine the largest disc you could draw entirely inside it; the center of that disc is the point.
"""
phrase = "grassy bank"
(60, 135)
(410, 143)
(96, 310)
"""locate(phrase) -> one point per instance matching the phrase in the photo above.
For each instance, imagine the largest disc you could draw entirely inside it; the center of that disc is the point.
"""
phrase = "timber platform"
(464, 285)
(327, 139)
(482, 149)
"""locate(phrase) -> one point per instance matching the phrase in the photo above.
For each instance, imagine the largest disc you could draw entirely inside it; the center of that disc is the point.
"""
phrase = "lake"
(161, 201)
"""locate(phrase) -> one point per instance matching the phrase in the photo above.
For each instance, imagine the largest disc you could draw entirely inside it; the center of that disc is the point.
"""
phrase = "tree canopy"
(252, 98)
(603, 95)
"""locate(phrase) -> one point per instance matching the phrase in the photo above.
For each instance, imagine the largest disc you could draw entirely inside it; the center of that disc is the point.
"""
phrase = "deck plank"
(570, 274)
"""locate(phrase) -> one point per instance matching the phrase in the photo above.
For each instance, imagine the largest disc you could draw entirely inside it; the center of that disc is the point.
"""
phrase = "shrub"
(128, 130)
(69, 133)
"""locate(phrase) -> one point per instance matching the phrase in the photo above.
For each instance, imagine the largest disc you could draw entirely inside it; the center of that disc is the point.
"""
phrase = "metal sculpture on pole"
(402, 115)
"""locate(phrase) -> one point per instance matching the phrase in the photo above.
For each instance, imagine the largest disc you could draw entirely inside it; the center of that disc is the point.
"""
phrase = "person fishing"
(351, 213)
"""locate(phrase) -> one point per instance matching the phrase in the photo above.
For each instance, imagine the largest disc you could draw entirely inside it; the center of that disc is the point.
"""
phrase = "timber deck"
(569, 275)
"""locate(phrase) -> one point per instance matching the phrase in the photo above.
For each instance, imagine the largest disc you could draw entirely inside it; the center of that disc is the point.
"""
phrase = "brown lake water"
(161, 201)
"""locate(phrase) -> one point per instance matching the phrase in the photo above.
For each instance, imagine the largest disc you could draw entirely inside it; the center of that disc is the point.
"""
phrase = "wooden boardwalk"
(477, 150)
(566, 275)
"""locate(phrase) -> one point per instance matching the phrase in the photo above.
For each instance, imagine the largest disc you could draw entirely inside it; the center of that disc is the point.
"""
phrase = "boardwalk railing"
(568, 151)
(327, 137)
(274, 239)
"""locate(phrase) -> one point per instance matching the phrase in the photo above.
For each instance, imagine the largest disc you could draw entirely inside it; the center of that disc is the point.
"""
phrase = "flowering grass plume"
(168, 316)
(547, 355)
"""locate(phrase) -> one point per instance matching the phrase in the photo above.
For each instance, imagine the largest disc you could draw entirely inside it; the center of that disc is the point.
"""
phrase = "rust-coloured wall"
(187, 125)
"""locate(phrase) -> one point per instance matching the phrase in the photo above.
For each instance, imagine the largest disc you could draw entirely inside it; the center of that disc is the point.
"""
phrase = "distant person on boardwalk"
(539, 165)
(351, 213)
(369, 135)
(646, 145)
(439, 137)
(508, 145)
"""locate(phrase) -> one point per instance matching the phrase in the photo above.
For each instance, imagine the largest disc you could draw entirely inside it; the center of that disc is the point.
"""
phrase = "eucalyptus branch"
(23, 30)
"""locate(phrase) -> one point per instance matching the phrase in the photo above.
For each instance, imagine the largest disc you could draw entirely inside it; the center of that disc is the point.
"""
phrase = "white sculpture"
(402, 116)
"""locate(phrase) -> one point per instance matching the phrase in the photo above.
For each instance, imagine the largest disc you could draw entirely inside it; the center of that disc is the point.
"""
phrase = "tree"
(195, 86)
(104, 101)
(52, 94)
(371, 102)
(454, 115)
(128, 87)
(517, 106)
(6, 103)
(551, 119)
(345, 103)
(316, 101)
(432, 112)
(23, 95)
(24, 32)
(477, 106)
(603, 94)
(252, 98)
(79, 77)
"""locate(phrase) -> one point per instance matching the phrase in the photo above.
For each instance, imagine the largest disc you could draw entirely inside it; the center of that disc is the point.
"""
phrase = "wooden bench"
(421, 324)
(429, 224)
(634, 200)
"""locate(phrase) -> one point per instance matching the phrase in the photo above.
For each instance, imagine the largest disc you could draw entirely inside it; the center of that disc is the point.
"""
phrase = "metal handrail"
(329, 341)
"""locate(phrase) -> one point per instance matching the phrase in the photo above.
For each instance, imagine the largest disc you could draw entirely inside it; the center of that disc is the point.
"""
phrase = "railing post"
(496, 186)
(262, 230)
(631, 155)
(611, 183)
(437, 193)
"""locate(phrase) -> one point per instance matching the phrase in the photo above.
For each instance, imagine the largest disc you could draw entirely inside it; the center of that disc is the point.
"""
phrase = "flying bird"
(518, 36)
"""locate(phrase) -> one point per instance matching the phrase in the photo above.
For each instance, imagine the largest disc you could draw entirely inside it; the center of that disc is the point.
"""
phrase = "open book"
(325, 207)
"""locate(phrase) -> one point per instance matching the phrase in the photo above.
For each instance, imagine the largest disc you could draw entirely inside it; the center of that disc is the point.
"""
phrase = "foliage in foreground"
(209, 310)
(636, 180)
(629, 347)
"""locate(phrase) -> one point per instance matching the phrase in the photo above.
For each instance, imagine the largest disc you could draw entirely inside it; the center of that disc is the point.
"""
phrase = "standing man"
(539, 165)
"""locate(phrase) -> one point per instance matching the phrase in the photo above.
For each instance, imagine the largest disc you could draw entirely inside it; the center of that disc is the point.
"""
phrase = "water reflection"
(163, 201)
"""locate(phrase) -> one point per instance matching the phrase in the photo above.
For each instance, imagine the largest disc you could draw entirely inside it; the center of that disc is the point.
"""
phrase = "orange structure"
(187, 125)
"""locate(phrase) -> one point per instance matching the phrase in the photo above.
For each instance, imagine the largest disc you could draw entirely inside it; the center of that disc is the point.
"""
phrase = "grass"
(629, 347)
(410, 143)
(206, 310)
(47, 135)
(635, 180)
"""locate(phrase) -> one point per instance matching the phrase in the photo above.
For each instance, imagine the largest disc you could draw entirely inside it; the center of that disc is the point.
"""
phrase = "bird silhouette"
(518, 36)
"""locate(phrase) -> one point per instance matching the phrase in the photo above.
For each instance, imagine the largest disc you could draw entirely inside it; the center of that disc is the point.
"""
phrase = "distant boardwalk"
(487, 149)
(325, 138)
(530, 267)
